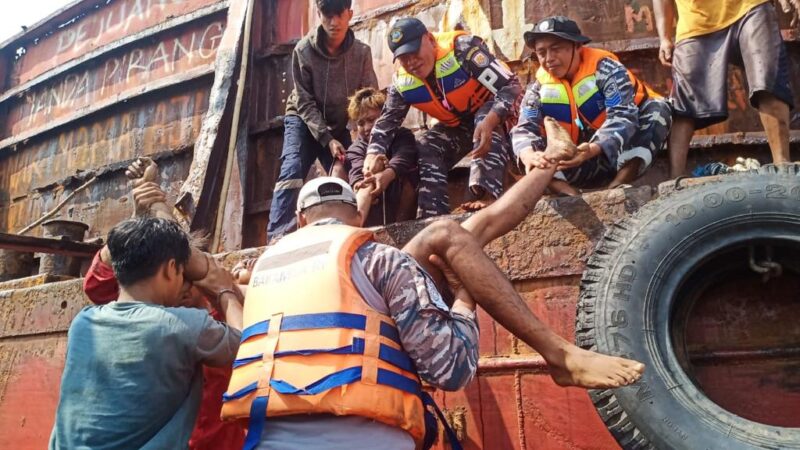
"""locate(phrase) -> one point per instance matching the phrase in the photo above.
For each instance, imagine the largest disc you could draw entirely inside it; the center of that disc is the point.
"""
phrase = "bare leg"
(679, 139)
(563, 188)
(775, 118)
(407, 209)
(512, 207)
(627, 173)
(569, 365)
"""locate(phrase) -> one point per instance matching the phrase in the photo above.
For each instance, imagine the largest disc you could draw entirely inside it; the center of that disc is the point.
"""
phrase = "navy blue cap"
(405, 36)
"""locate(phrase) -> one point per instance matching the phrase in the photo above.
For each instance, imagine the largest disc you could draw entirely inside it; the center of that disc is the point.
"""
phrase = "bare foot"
(559, 145)
(591, 370)
(477, 205)
(561, 187)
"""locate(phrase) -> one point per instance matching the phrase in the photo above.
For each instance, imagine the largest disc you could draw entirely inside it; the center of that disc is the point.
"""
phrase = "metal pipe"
(532, 363)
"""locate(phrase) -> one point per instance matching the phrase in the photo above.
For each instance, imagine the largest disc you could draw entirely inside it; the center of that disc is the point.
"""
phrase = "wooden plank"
(33, 244)
(743, 138)
(122, 42)
(197, 190)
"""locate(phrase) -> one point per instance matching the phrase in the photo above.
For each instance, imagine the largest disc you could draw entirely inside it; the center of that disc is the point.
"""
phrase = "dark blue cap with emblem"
(405, 36)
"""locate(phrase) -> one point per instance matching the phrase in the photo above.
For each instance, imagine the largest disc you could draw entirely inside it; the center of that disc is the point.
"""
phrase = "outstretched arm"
(383, 132)
(512, 207)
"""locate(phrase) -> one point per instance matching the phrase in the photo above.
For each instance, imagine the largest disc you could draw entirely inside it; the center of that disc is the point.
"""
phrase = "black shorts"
(700, 66)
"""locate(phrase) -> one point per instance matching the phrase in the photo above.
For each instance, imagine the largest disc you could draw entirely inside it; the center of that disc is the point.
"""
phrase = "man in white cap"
(374, 278)
(337, 289)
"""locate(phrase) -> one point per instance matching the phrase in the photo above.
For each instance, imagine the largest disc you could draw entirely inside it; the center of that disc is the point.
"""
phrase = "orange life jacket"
(464, 94)
(312, 345)
(582, 102)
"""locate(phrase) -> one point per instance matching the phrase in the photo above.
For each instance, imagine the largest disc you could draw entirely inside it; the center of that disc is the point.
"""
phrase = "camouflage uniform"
(441, 147)
(443, 342)
(628, 132)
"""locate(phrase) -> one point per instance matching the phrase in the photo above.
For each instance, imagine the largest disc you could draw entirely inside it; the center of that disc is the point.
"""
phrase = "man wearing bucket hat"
(315, 296)
(455, 79)
(618, 122)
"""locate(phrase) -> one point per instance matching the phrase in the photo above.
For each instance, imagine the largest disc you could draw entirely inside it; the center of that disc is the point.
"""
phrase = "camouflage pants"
(655, 120)
(442, 147)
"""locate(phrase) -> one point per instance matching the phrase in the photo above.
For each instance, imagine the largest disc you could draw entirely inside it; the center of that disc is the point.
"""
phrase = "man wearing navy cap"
(619, 123)
(454, 78)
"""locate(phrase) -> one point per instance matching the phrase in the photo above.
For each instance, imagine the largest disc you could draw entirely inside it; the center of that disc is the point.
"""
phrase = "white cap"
(325, 189)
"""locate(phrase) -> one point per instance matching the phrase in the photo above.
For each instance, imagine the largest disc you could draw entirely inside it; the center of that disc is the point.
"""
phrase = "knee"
(444, 234)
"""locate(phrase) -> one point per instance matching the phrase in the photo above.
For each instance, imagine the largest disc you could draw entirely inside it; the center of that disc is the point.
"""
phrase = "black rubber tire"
(627, 296)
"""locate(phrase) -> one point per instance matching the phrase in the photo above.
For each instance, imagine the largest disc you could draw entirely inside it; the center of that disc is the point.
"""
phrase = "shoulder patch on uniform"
(614, 100)
(480, 59)
(530, 113)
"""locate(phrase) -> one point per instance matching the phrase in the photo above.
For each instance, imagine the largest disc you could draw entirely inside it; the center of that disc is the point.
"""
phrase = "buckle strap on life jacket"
(258, 416)
(386, 353)
(321, 320)
(430, 424)
(258, 409)
(331, 381)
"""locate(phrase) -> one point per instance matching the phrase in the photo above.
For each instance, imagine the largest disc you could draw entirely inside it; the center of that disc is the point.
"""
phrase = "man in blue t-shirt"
(133, 374)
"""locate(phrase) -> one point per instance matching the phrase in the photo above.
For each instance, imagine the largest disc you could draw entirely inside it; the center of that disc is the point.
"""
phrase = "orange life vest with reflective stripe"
(574, 105)
(312, 345)
(463, 94)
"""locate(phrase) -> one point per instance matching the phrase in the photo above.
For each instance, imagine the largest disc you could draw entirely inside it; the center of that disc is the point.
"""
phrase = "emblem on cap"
(547, 25)
(396, 35)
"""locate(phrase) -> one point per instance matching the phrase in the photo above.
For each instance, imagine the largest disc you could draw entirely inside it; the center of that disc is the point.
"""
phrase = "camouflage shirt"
(475, 57)
(621, 123)
(442, 342)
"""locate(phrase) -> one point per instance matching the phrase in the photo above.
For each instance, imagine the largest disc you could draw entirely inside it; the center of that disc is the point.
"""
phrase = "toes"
(619, 380)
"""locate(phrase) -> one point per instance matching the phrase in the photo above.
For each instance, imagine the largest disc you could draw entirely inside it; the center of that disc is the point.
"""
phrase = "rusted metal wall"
(94, 86)
(119, 80)
(626, 27)
(512, 404)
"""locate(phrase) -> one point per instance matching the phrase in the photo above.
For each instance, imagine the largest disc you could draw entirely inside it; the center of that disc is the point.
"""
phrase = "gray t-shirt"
(133, 375)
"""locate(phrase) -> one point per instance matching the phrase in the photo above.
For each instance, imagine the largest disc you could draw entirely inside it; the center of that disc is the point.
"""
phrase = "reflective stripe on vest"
(583, 104)
(463, 95)
(312, 345)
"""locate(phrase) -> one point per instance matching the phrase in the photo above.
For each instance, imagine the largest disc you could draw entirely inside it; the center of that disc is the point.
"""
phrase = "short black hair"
(140, 246)
(333, 7)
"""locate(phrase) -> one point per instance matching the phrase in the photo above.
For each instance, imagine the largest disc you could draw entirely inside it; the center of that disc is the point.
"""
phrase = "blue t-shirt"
(133, 375)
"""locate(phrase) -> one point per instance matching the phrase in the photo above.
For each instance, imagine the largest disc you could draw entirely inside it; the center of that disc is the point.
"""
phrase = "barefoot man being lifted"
(325, 280)
(461, 248)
